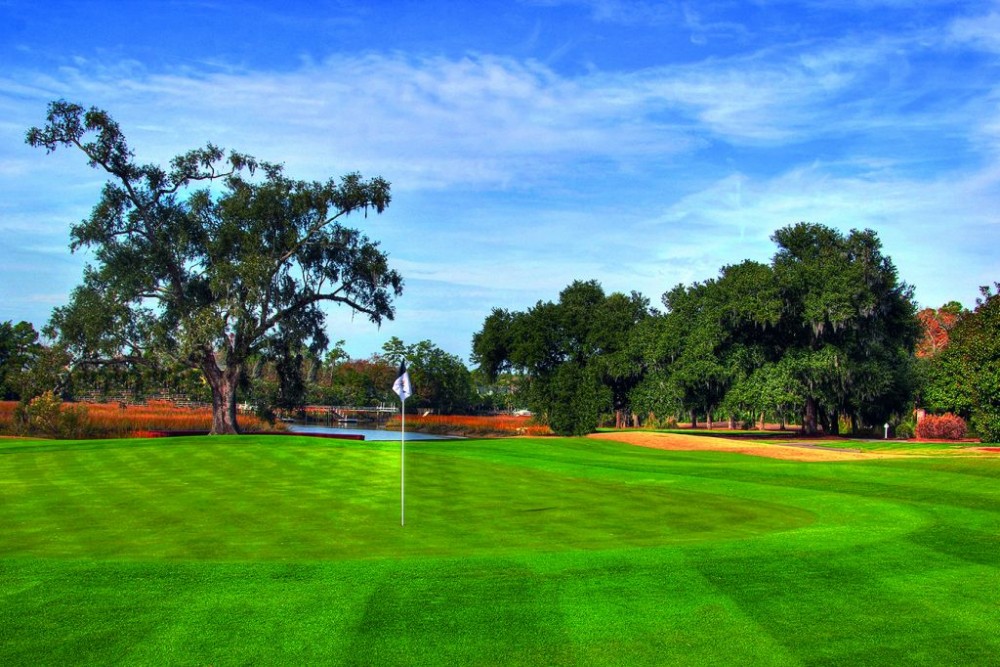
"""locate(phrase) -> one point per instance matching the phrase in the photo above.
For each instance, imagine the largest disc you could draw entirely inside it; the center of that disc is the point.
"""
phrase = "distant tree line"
(824, 335)
(288, 381)
(441, 381)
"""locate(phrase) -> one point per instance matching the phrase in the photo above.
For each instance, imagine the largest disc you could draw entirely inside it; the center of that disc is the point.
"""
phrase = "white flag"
(402, 384)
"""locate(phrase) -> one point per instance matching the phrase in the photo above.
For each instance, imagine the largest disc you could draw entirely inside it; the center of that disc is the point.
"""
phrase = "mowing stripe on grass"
(556, 551)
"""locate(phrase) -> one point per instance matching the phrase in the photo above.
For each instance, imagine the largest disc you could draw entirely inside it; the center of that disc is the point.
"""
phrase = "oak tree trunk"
(223, 383)
(834, 423)
(809, 426)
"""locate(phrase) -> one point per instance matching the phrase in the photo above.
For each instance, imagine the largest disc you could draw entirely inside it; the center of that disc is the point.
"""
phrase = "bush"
(45, 415)
(41, 415)
(905, 430)
(668, 423)
(943, 427)
(987, 425)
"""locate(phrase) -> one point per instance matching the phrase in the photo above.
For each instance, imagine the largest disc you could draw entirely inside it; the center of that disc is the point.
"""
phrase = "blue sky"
(533, 143)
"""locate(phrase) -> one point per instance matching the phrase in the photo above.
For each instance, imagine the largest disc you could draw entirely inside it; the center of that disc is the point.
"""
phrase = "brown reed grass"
(491, 425)
(113, 420)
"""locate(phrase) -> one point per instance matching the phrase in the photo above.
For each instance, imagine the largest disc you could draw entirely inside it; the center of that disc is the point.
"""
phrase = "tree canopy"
(573, 353)
(19, 350)
(825, 330)
(213, 259)
(965, 376)
(440, 380)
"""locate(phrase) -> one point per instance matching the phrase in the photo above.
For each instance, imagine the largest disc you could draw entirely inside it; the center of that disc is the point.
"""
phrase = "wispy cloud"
(918, 220)
(481, 119)
(982, 32)
(626, 12)
(429, 122)
(514, 175)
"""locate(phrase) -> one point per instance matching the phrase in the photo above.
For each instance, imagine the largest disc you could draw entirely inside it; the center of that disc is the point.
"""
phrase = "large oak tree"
(848, 323)
(212, 260)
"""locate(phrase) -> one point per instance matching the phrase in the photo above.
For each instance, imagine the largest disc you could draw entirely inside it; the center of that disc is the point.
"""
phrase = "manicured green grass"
(907, 446)
(260, 550)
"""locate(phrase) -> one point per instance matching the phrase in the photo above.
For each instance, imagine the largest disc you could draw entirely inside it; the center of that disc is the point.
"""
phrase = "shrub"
(41, 415)
(905, 430)
(47, 416)
(659, 423)
(943, 427)
(987, 425)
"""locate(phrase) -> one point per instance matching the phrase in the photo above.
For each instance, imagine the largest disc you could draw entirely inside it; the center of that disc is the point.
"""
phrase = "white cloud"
(939, 231)
(477, 120)
(428, 122)
(983, 32)
(576, 162)
(627, 12)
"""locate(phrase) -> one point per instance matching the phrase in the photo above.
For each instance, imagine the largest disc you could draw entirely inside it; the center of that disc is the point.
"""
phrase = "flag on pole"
(403, 389)
(402, 384)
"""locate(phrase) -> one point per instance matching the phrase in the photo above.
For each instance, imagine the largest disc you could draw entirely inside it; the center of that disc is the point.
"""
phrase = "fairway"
(266, 550)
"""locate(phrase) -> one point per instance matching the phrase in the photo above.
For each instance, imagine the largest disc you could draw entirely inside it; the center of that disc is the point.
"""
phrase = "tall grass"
(113, 420)
(504, 425)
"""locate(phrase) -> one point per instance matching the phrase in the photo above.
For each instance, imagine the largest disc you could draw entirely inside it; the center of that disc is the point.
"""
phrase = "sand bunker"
(788, 452)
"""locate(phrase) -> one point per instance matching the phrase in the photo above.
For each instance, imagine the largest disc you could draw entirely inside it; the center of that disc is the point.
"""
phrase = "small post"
(887, 430)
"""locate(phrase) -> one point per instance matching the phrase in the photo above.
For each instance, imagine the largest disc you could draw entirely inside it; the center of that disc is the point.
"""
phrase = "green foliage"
(986, 422)
(576, 400)
(945, 386)
(440, 380)
(656, 397)
(849, 320)
(906, 429)
(214, 260)
(45, 415)
(965, 377)
(19, 353)
(492, 345)
(577, 355)
(355, 382)
(827, 330)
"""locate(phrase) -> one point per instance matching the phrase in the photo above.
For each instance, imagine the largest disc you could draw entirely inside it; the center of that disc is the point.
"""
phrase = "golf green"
(267, 550)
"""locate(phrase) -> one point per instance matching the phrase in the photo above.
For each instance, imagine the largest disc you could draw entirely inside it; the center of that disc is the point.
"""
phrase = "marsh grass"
(113, 420)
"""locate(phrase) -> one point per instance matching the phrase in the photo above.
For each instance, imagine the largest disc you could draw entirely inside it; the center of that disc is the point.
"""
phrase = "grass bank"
(519, 551)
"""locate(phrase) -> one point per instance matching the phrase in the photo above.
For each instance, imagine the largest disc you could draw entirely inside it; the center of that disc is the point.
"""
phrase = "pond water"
(369, 433)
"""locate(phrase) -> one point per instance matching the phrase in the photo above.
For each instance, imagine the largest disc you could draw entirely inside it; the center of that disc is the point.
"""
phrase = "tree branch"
(308, 301)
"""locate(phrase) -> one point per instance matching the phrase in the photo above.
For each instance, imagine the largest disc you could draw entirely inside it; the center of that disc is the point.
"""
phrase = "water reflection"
(370, 434)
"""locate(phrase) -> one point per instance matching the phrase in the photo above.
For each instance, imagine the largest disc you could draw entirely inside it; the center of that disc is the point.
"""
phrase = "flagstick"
(403, 389)
(402, 467)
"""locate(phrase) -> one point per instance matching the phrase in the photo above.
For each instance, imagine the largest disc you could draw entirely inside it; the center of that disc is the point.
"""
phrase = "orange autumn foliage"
(943, 427)
(936, 327)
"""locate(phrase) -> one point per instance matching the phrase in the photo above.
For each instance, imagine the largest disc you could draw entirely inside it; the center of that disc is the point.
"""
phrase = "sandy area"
(680, 442)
